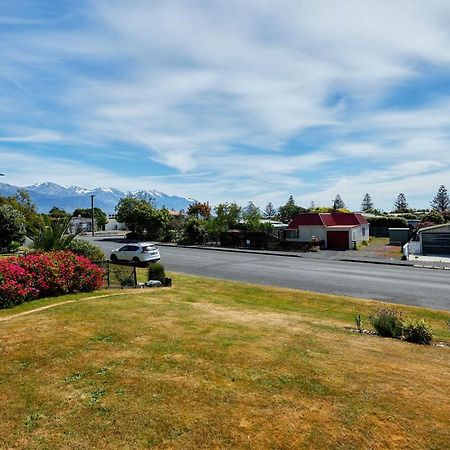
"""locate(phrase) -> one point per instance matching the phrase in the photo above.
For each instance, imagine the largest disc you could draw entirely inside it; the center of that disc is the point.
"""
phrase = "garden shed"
(435, 240)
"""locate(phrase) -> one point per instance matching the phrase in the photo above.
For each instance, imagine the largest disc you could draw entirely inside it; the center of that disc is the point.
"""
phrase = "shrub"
(15, 284)
(156, 272)
(86, 249)
(387, 323)
(417, 331)
(37, 275)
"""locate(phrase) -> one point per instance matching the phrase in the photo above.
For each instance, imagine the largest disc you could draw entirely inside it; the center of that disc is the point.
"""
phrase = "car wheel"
(113, 258)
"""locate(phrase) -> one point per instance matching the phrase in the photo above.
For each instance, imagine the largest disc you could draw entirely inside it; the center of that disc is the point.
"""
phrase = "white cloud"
(220, 89)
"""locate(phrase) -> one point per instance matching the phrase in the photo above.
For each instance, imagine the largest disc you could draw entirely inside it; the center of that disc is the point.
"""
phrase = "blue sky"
(229, 100)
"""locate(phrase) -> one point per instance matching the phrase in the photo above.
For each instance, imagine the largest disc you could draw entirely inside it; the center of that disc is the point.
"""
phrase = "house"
(435, 240)
(81, 224)
(337, 230)
(114, 225)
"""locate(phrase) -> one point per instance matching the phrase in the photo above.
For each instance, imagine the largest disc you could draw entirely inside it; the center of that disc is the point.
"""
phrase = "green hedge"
(379, 226)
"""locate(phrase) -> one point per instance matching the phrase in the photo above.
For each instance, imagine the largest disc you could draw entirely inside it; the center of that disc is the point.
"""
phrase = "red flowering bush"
(15, 284)
(36, 275)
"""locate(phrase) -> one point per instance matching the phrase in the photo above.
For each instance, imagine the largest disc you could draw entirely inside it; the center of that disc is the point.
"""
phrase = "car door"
(133, 250)
(123, 252)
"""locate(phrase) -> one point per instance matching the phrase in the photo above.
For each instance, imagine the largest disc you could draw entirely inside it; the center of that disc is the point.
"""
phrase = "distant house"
(81, 224)
(114, 225)
(338, 231)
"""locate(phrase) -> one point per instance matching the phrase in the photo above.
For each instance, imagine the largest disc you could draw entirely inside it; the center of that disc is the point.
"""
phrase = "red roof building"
(336, 230)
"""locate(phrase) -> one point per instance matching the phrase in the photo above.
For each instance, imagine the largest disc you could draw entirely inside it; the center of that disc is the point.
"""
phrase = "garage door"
(436, 243)
(337, 240)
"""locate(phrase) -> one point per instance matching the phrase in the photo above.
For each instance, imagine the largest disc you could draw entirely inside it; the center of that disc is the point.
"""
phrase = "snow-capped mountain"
(46, 195)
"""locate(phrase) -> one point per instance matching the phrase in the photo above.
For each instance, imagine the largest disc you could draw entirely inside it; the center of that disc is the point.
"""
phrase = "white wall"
(306, 232)
(113, 225)
(357, 233)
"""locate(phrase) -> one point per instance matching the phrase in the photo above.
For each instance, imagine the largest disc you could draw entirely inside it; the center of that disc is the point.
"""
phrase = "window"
(363, 231)
(292, 234)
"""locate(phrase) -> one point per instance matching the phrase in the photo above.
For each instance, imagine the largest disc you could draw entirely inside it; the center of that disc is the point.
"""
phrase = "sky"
(229, 100)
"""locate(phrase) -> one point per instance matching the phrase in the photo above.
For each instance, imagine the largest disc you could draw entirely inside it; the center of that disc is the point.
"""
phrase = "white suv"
(139, 252)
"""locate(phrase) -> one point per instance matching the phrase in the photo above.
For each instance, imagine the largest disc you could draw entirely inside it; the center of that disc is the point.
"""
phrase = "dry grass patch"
(211, 363)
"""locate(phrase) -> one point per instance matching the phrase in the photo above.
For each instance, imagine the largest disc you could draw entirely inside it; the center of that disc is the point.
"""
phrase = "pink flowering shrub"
(37, 275)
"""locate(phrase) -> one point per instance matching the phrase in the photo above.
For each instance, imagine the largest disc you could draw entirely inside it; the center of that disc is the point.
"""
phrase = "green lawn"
(216, 364)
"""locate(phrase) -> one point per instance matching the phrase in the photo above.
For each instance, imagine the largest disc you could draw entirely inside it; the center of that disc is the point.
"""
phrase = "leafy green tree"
(441, 201)
(58, 213)
(289, 210)
(228, 215)
(338, 203)
(141, 217)
(22, 203)
(99, 216)
(251, 216)
(199, 210)
(367, 204)
(194, 232)
(12, 226)
(401, 205)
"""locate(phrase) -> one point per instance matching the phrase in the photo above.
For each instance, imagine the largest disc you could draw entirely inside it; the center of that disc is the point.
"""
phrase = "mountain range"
(46, 195)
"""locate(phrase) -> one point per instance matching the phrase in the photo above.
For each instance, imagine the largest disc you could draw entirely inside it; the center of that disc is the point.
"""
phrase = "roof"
(334, 219)
(434, 227)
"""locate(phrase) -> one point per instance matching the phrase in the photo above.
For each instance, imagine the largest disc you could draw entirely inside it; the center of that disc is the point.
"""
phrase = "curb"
(385, 263)
(263, 252)
(231, 250)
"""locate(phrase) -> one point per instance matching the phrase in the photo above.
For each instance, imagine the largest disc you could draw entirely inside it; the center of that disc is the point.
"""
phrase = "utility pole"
(92, 214)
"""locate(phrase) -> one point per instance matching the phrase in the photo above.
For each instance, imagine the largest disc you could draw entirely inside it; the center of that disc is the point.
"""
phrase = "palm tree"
(54, 236)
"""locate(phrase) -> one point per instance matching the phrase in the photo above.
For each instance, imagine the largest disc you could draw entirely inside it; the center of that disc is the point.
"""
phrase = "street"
(402, 285)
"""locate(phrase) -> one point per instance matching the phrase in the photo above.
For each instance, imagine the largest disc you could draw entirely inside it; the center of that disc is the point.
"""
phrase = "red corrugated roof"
(327, 220)
(306, 219)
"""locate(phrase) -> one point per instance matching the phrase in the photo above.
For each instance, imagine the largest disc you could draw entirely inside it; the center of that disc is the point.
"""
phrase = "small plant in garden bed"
(417, 331)
(359, 323)
(387, 323)
(156, 272)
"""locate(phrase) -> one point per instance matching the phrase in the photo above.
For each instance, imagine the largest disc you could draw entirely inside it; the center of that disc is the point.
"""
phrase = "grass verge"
(211, 363)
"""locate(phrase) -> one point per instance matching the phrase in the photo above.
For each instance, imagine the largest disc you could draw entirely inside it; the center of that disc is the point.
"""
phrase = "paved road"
(403, 285)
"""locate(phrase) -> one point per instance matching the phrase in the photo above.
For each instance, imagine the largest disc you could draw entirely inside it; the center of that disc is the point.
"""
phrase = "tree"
(99, 216)
(194, 232)
(54, 236)
(199, 210)
(22, 203)
(252, 217)
(58, 213)
(338, 203)
(12, 226)
(270, 212)
(289, 210)
(141, 217)
(228, 215)
(401, 205)
(367, 204)
(441, 201)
